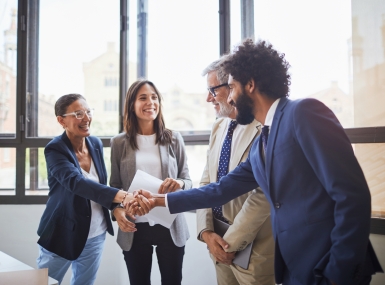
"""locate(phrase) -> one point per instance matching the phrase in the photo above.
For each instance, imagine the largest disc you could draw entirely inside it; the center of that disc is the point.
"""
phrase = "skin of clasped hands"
(144, 201)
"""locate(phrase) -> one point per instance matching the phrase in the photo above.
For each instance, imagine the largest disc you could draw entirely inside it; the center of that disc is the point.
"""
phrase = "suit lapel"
(273, 136)
(96, 157)
(129, 164)
(248, 136)
(67, 141)
(163, 151)
(216, 149)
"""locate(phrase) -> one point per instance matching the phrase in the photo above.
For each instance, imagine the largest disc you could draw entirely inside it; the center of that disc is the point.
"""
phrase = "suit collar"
(216, 146)
(249, 133)
(163, 151)
(131, 161)
(94, 152)
(273, 135)
(96, 155)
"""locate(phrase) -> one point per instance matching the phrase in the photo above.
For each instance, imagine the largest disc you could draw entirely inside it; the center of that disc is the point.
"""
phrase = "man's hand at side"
(216, 246)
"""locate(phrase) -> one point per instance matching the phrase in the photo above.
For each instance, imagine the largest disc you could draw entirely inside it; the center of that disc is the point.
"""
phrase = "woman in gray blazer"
(147, 145)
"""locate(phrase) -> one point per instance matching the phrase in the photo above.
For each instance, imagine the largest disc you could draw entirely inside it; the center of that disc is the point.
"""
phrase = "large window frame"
(27, 72)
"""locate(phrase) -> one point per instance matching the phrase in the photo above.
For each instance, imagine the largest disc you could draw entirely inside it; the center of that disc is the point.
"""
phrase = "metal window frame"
(28, 18)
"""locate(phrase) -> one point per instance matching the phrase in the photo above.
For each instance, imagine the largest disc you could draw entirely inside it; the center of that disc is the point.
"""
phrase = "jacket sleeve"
(115, 180)
(204, 216)
(61, 165)
(214, 194)
(249, 221)
(116, 154)
(180, 152)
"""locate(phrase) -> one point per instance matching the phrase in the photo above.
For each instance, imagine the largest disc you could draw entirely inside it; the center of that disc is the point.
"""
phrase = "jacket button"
(278, 205)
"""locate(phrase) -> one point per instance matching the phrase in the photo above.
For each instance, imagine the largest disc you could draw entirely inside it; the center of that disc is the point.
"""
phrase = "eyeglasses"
(80, 114)
(212, 89)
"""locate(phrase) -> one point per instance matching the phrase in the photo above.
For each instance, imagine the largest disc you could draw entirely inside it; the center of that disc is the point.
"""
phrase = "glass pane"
(368, 57)
(7, 171)
(372, 160)
(317, 49)
(8, 51)
(182, 41)
(235, 23)
(36, 180)
(196, 161)
(79, 54)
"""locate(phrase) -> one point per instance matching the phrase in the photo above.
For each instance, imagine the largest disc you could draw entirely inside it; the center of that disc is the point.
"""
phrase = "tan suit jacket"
(249, 214)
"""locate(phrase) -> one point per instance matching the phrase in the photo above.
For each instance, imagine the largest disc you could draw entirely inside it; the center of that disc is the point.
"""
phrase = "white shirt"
(98, 223)
(270, 114)
(148, 160)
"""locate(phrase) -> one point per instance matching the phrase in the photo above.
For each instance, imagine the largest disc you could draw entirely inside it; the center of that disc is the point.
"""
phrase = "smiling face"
(221, 107)
(146, 106)
(76, 128)
(242, 102)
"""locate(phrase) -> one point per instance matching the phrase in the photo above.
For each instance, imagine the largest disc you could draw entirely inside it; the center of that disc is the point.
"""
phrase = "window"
(339, 61)
(8, 69)
(79, 54)
(179, 47)
(7, 171)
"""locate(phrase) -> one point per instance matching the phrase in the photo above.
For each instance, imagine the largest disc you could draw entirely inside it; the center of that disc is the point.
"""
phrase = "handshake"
(141, 202)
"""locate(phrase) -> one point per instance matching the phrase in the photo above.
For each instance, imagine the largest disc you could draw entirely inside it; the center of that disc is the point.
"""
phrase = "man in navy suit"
(304, 163)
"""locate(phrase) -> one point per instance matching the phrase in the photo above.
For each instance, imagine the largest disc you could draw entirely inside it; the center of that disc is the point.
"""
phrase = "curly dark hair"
(262, 63)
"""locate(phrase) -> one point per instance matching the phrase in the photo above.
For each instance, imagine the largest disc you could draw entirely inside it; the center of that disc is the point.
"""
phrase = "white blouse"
(98, 223)
(148, 160)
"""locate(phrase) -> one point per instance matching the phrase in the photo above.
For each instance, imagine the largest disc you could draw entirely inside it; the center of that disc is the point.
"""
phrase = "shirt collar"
(271, 112)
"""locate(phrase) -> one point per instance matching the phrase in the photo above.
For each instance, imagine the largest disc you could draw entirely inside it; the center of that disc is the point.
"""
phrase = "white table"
(8, 263)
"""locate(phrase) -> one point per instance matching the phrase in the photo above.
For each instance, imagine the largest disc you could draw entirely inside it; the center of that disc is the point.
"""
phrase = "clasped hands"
(144, 201)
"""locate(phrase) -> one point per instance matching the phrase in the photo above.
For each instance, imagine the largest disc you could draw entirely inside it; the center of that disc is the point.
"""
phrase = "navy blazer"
(65, 223)
(320, 201)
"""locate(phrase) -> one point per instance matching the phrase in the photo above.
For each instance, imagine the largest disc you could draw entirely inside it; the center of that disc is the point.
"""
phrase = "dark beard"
(245, 107)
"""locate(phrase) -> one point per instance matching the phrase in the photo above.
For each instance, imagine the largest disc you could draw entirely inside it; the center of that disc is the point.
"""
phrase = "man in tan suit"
(249, 214)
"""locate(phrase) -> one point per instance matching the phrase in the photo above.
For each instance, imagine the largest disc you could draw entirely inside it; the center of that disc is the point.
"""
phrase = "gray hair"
(216, 66)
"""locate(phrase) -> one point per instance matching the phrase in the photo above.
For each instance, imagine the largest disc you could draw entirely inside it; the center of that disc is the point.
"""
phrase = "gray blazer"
(174, 165)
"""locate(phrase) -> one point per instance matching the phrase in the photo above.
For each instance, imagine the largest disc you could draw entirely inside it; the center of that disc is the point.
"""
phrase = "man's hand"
(216, 246)
(170, 185)
(124, 224)
(141, 204)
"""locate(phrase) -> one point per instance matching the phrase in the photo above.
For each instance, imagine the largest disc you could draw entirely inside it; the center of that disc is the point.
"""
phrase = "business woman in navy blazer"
(319, 198)
(73, 226)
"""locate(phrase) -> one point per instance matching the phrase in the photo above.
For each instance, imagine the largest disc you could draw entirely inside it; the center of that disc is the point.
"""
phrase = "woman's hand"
(141, 203)
(129, 197)
(170, 185)
(124, 224)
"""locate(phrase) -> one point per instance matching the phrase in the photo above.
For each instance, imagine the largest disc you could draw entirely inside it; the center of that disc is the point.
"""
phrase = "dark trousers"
(139, 258)
(289, 280)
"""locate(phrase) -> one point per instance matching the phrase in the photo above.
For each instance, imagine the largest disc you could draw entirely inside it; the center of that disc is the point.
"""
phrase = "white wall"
(18, 224)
